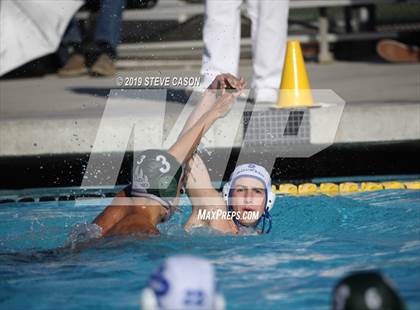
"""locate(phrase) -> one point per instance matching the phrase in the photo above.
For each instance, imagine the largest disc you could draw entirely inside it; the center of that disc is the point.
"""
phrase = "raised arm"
(219, 85)
(187, 142)
(199, 188)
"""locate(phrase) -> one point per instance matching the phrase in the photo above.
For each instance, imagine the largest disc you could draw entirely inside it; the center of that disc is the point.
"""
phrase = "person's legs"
(70, 52)
(269, 38)
(72, 34)
(108, 25)
(221, 36)
(107, 36)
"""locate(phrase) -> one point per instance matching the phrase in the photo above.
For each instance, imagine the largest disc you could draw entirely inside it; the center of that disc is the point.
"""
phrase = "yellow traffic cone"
(295, 90)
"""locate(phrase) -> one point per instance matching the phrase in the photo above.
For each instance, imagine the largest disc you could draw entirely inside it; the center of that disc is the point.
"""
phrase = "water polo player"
(246, 202)
(247, 197)
(157, 177)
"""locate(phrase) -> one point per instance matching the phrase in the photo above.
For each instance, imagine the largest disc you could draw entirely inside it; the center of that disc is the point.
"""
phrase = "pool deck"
(50, 115)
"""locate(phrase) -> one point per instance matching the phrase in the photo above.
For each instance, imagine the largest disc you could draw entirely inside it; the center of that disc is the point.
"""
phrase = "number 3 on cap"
(166, 166)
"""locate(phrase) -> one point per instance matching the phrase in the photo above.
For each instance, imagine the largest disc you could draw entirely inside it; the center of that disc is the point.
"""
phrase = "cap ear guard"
(225, 192)
(271, 199)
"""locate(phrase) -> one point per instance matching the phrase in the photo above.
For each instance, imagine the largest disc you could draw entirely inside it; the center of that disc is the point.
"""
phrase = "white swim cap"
(253, 171)
(182, 282)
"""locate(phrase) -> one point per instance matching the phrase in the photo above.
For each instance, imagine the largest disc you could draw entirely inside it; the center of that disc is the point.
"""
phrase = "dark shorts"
(156, 173)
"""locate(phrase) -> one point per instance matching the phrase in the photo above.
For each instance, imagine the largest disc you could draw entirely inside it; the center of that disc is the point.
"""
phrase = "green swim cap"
(366, 290)
(157, 173)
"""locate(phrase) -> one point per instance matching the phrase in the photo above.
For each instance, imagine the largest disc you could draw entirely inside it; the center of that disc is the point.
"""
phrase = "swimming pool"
(315, 240)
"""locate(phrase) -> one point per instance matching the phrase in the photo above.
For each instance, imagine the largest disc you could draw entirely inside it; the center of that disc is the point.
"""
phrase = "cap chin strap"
(266, 216)
(270, 199)
(143, 194)
(163, 203)
(148, 300)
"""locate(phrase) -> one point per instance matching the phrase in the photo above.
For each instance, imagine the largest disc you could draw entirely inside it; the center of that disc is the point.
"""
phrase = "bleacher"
(182, 11)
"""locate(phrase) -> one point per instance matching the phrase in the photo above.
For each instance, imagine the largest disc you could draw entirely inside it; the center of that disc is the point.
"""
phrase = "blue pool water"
(314, 241)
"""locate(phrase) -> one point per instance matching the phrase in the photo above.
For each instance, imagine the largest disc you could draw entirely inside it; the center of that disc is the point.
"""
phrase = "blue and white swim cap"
(252, 170)
(183, 282)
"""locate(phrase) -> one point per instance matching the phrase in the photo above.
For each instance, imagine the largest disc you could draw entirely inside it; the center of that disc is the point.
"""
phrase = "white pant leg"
(221, 36)
(269, 39)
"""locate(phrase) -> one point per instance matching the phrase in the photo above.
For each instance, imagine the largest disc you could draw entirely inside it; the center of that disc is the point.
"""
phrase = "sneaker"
(103, 66)
(75, 66)
(394, 51)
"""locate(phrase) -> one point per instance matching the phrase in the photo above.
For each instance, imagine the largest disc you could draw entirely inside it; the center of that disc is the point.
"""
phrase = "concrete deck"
(57, 116)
